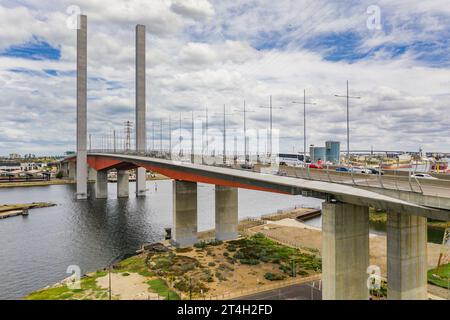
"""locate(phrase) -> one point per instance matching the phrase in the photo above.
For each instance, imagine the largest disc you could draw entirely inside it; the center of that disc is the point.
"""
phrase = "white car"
(359, 170)
(424, 176)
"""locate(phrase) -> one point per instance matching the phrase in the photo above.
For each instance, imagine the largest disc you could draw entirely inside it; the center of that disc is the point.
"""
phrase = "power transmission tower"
(128, 130)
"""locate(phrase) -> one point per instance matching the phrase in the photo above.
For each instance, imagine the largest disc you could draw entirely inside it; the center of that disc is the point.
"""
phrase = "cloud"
(194, 9)
(211, 53)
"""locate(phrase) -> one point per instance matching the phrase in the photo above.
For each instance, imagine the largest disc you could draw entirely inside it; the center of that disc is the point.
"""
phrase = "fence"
(264, 288)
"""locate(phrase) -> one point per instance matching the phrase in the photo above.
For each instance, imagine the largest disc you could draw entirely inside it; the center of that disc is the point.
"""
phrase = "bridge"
(345, 224)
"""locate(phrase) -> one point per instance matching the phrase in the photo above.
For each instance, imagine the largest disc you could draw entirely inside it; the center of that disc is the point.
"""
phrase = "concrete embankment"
(35, 183)
(12, 210)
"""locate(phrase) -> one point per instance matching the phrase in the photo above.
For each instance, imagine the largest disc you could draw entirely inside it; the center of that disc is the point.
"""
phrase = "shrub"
(250, 261)
(187, 267)
(59, 175)
(220, 276)
(211, 264)
(274, 277)
(201, 245)
(226, 254)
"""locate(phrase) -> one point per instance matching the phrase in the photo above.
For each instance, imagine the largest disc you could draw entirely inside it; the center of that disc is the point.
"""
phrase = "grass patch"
(443, 276)
(160, 287)
(259, 248)
(134, 264)
(88, 290)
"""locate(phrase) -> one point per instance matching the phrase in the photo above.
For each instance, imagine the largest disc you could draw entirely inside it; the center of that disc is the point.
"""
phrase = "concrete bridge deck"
(265, 182)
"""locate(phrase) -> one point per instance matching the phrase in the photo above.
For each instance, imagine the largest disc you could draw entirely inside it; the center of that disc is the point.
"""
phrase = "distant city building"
(13, 156)
(9, 166)
(318, 154)
(333, 152)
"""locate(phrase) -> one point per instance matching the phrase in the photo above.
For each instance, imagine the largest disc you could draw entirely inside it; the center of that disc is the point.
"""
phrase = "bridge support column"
(82, 109)
(72, 170)
(226, 213)
(406, 257)
(101, 185)
(123, 183)
(140, 107)
(345, 251)
(184, 230)
(141, 182)
(92, 174)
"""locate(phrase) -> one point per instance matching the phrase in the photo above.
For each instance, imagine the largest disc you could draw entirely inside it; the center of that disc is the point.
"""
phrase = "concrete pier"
(345, 251)
(184, 229)
(406, 257)
(123, 184)
(82, 108)
(92, 174)
(140, 107)
(72, 170)
(101, 185)
(226, 213)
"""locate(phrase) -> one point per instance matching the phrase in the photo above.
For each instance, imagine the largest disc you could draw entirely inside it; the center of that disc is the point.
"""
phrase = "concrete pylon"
(123, 184)
(406, 257)
(345, 251)
(72, 170)
(184, 229)
(226, 213)
(92, 174)
(82, 108)
(140, 107)
(101, 185)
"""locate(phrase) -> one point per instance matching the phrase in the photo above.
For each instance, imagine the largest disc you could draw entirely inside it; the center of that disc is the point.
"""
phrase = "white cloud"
(195, 9)
(203, 53)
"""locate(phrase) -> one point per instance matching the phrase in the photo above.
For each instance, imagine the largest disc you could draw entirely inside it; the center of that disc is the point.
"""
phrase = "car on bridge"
(342, 169)
(424, 176)
(248, 166)
(375, 171)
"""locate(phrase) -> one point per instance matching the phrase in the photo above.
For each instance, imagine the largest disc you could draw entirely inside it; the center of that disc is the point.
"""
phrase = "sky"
(207, 53)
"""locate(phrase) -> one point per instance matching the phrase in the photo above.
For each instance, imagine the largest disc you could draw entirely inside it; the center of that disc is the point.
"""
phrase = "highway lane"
(306, 291)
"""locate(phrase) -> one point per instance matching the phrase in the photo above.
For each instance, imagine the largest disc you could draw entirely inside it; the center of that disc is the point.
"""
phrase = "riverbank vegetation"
(88, 290)
(376, 216)
(440, 278)
(206, 270)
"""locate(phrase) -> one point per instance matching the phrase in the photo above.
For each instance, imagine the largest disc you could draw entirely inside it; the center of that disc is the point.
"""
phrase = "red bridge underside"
(100, 163)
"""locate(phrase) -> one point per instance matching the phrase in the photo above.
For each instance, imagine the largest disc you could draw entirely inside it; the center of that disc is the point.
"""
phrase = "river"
(35, 251)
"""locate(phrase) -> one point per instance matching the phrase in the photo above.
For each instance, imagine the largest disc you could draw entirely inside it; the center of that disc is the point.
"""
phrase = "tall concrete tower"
(82, 108)
(141, 141)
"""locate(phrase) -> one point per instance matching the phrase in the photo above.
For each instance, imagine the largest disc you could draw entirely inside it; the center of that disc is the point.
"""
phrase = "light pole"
(224, 133)
(160, 136)
(245, 111)
(348, 118)
(170, 138)
(271, 124)
(304, 121)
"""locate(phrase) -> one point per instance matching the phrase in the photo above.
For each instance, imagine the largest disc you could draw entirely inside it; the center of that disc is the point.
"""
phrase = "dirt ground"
(238, 277)
(130, 287)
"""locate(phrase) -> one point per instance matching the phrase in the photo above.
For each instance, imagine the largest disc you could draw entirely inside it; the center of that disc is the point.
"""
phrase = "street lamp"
(348, 118)
(304, 121)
